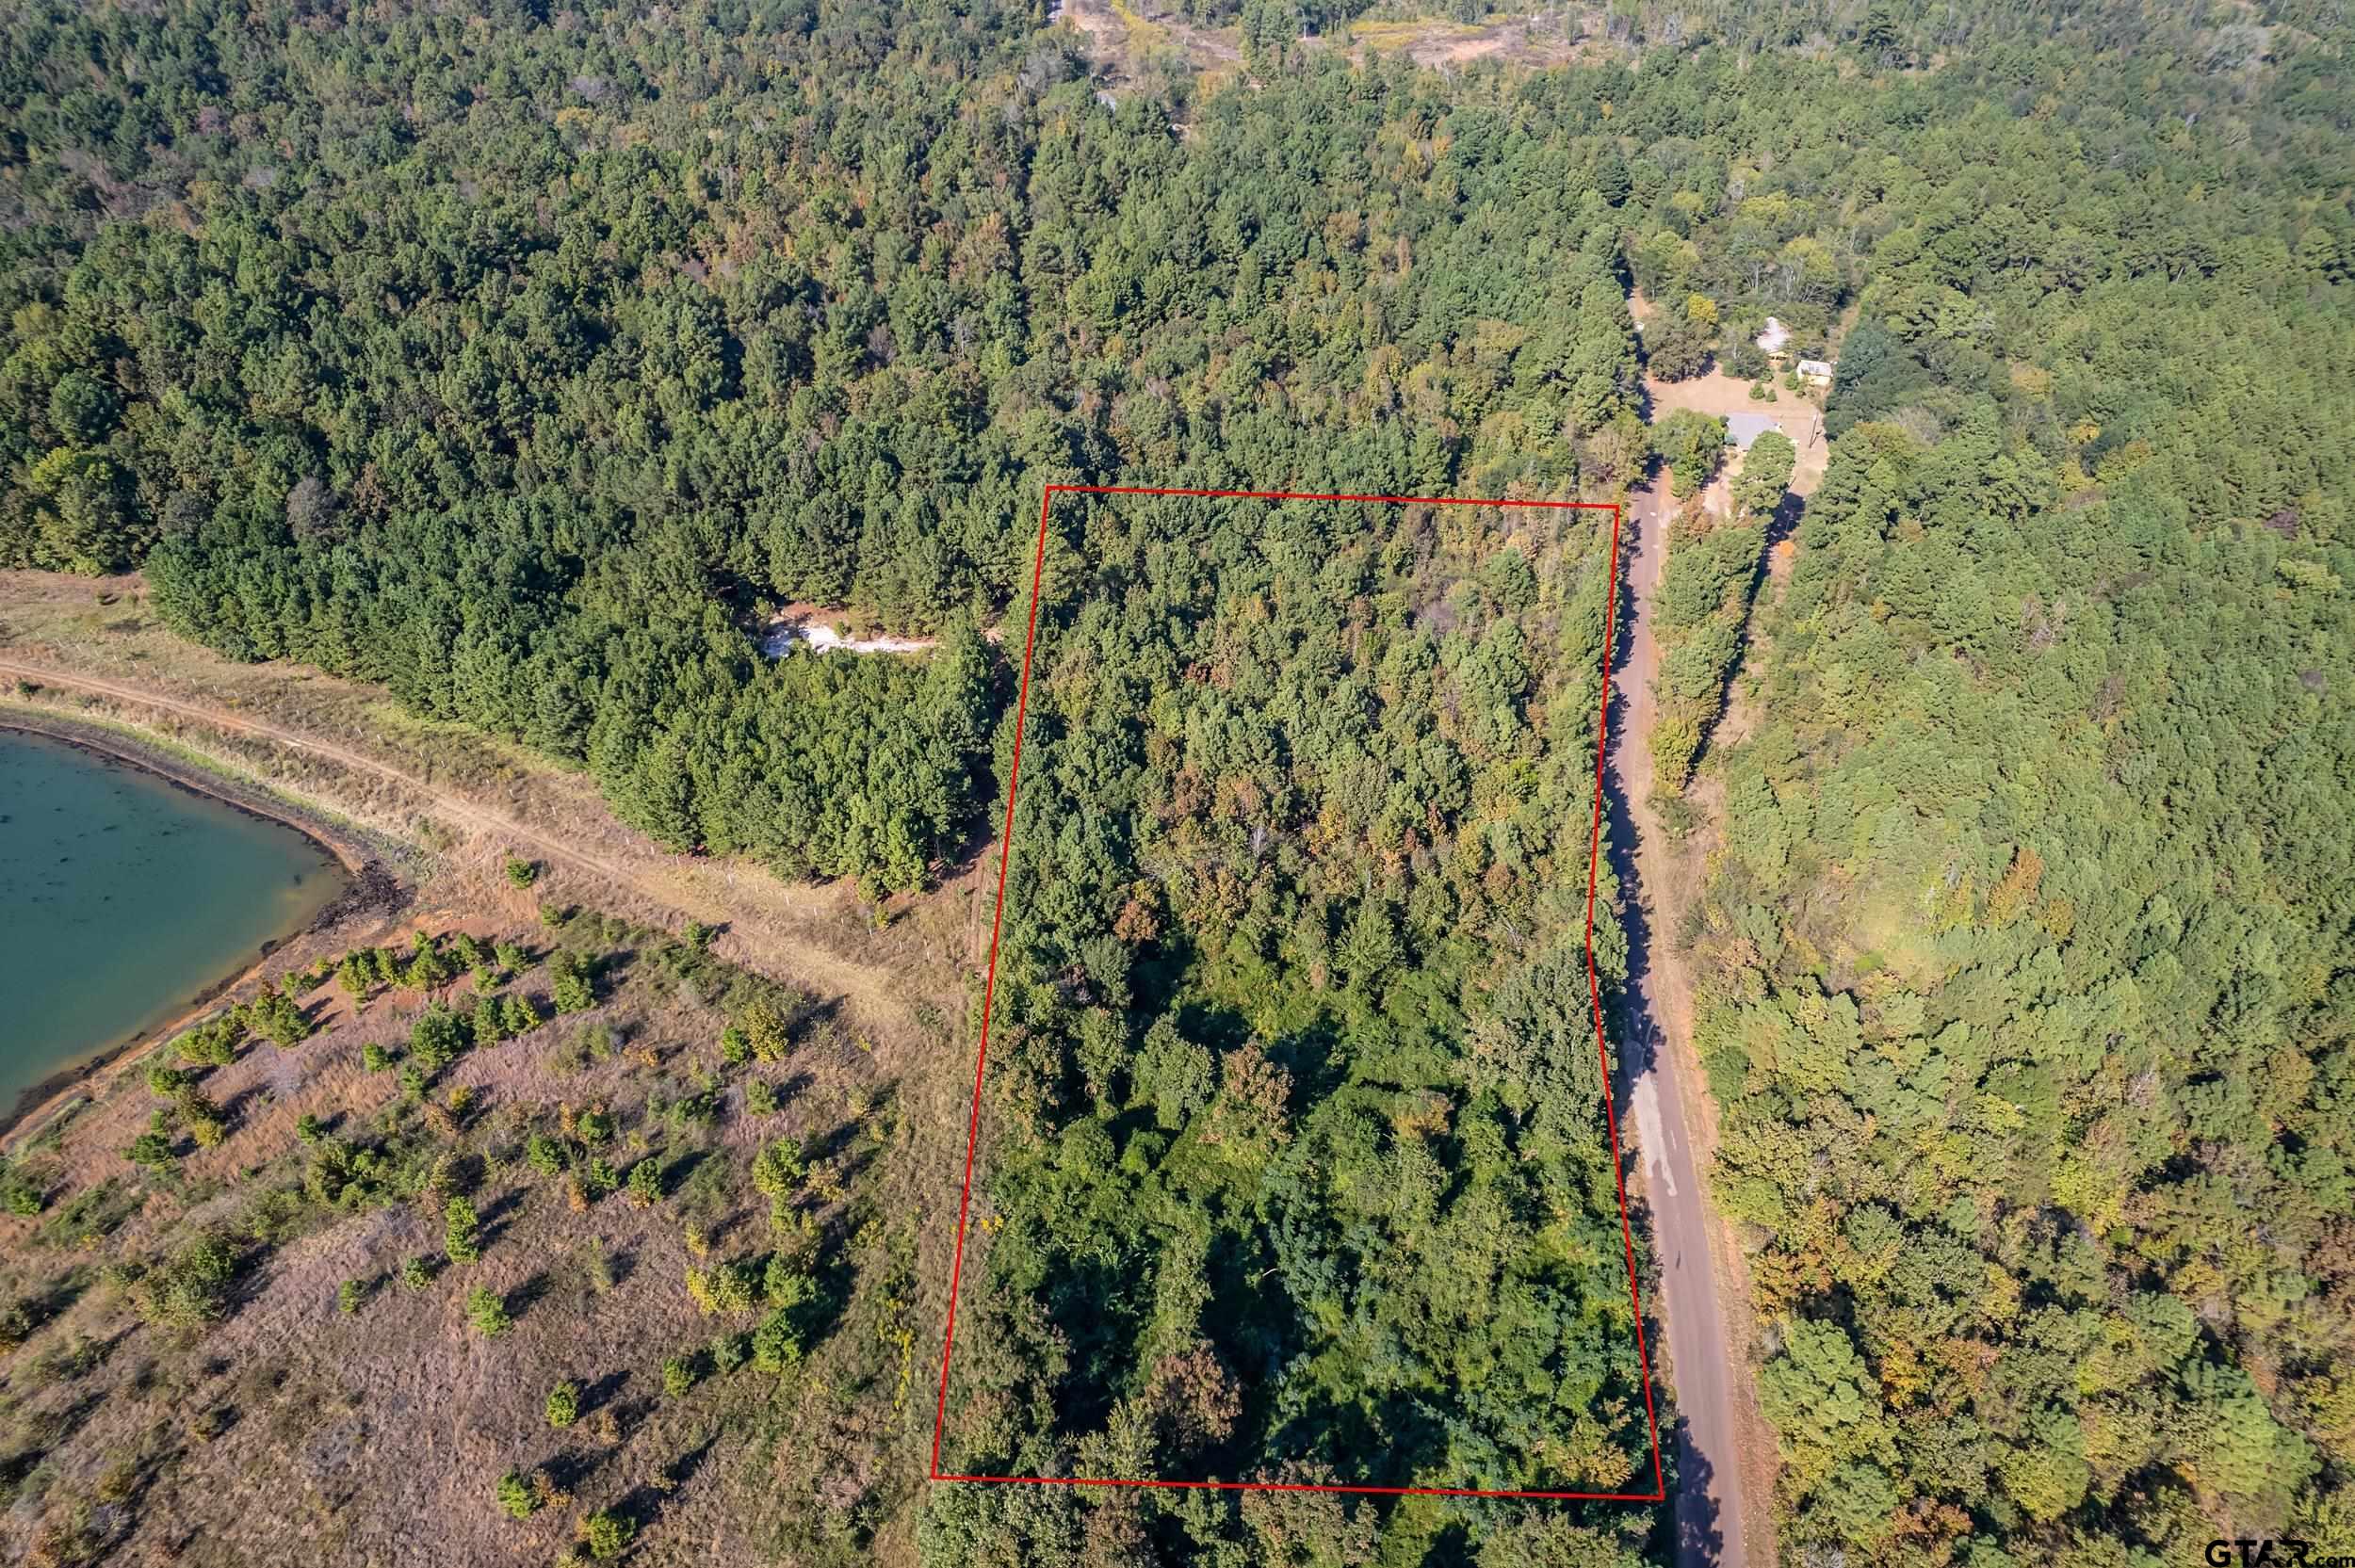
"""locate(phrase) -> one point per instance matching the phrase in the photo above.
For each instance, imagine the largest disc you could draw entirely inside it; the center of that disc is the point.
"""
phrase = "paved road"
(1702, 1367)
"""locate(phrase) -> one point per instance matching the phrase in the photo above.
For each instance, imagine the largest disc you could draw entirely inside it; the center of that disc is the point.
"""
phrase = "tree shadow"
(51, 1298)
(837, 1279)
(816, 1014)
(1778, 528)
(569, 1470)
(1701, 1540)
(674, 1175)
(1257, 1324)
(522, 1297)
(234, 1110)
(1638, 1044)
(1098, 1304)
(682, 1469)
(1316, 1058)
(605, 1390)
(827, 1144)
(495, 1218)
(725, 1225)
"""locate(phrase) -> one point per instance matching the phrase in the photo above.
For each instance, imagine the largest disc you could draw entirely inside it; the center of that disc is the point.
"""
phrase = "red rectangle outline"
(1594, 992)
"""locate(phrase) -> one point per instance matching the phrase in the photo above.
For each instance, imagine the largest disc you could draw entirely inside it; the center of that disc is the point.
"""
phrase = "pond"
(125, 897)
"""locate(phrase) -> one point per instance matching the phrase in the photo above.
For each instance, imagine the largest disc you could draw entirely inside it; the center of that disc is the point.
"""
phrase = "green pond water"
(123, 897)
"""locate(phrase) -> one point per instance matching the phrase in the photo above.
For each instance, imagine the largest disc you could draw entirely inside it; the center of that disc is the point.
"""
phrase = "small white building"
(1816, 372)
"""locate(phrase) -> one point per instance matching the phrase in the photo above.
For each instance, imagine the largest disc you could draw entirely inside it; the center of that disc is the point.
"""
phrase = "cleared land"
(279, 1424)
(91, 650)
(1126, 40)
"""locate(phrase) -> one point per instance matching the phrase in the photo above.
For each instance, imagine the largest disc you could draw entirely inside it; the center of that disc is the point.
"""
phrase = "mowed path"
(867, 986)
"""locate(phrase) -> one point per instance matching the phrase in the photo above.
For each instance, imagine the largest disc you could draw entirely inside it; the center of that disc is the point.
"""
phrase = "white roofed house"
(1816, 372)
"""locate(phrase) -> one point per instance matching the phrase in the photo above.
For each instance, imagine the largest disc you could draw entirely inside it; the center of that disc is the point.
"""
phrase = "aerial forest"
(1297, 1168)
(525, 361)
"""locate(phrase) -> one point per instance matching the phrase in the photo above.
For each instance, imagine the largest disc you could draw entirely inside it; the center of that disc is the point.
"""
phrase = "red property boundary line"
(1594, 991)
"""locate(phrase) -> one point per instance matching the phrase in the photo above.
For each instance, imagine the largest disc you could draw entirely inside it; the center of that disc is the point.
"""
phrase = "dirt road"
(809, 964)
(1705, 1367)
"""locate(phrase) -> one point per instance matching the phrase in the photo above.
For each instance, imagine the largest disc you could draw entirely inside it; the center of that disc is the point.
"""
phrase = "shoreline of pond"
(370, 887)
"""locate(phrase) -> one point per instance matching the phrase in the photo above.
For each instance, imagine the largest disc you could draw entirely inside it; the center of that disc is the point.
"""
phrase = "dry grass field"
(285, 1428)
(288, 1430)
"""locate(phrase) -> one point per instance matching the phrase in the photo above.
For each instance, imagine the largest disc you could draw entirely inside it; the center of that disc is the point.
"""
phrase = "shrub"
(427, 968)
(212, 1045)
(545, 1155)
(275, 1018)
(462, 1232)
(518, 1015)
(349, 1297)
(778, 1343)
(19, 1192)
(729, 1352)
(734, 1049)
(521, 873)
(164, 1081)
(608, 1534)
(787, 1283)
(678, 1375)
(571, 983)
(191, 1290)
(486, 1309)
(765, 1032)
(594, 1125)
(374, 1057)
(18, 1320)
(436, 1038)
(356, 977)
(489, 1021)
(701, 1109)
(515, 1496)
(726, 1287)
(563, 1407)
(205, 1120)
(416, 1273)
(760, 1099)
(778, 1169)
(307, 1127)
(645, 1184)
(511, 956)
(150, 1148)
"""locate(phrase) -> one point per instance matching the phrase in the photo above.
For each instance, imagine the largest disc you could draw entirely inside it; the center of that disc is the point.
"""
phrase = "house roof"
(1815, 368)
(1743, 429)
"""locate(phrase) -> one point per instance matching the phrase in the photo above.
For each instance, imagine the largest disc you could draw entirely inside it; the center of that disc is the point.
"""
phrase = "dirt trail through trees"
(1708, 1366)
(870, 988)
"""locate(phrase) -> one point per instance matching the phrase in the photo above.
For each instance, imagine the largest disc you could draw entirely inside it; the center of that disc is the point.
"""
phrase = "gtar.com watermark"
(2283, 1553)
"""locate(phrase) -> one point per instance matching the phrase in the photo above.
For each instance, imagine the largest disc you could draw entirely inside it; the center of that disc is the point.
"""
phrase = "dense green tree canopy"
(522, 360)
